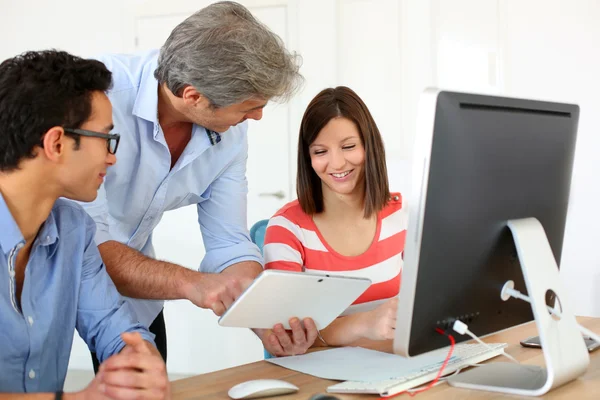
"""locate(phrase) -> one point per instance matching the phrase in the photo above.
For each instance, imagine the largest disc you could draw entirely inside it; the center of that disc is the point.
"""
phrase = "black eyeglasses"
(112, 139)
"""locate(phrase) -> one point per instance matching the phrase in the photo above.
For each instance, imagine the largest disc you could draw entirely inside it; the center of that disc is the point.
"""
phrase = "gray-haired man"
(182, 113)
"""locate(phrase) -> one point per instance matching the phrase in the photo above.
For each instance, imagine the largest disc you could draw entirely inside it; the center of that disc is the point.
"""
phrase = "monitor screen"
(479, 161)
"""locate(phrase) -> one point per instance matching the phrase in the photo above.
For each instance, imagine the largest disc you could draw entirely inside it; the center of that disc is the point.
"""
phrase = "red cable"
(439, 374)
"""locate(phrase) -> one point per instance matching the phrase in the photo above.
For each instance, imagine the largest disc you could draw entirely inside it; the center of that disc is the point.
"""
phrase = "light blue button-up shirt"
(66, 286)
(141, 186)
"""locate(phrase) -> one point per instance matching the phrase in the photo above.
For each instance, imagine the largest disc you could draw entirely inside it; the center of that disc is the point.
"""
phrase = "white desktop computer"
(491, 184)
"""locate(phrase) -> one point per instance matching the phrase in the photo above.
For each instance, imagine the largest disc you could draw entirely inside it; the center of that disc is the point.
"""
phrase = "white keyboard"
(462, 356)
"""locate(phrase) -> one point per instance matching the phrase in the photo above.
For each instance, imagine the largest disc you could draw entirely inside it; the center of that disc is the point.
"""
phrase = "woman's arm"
(377, 324)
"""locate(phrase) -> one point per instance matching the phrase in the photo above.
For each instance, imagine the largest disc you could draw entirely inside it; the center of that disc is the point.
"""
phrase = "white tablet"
(276, 296)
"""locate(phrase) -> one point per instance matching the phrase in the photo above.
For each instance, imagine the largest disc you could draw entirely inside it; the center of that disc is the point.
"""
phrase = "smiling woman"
(345, 221)
(337, 156)
(339, 114)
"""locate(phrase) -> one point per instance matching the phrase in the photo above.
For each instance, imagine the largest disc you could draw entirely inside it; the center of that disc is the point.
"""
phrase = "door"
(177, 238)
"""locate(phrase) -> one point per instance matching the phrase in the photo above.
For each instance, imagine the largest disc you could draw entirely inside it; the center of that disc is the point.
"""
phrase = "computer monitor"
(479, 162)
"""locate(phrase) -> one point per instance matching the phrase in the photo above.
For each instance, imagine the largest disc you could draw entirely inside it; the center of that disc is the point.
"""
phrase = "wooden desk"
(216, 384)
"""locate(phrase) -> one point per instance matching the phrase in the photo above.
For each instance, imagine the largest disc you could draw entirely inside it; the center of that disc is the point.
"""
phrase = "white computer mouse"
(261, 388)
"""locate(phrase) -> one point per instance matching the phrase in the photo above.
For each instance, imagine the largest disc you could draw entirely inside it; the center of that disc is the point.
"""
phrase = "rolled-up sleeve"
(223, 219)
(102, 315)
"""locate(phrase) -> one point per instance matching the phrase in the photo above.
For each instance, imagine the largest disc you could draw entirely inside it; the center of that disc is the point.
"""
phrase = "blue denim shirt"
(141, 186)
(66, 287)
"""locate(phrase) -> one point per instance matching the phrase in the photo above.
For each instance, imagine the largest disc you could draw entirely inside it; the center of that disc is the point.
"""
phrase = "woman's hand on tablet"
(280, 342)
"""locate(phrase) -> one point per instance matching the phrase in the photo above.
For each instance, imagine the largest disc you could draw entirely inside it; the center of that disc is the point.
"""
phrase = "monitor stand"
(565, 353)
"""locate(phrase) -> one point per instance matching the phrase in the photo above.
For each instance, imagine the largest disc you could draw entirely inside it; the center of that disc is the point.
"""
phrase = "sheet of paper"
(357, 364)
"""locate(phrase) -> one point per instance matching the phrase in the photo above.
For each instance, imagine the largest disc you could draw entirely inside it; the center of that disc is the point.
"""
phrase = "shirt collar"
(214, 137)
(146, 101)
(10, 234)
(48, 234)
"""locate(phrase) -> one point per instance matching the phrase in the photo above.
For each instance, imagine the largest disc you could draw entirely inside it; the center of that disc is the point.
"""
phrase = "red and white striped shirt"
(293, 243)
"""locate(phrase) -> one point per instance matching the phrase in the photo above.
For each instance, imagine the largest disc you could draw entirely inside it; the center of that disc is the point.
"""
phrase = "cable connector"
(463, 329)
(460, 327)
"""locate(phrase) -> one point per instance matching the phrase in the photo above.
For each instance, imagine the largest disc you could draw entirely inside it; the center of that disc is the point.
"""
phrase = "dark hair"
(327, 105)
(40, 90)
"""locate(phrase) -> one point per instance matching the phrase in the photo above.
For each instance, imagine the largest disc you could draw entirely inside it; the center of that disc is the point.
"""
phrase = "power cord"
(463, 329)
(509, 291)
(436, 380)
(445, 378)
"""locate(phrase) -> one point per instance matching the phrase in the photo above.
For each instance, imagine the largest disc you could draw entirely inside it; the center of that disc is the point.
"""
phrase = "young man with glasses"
(55, 143)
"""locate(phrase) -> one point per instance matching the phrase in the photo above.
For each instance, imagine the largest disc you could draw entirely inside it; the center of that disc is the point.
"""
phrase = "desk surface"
(216, 384)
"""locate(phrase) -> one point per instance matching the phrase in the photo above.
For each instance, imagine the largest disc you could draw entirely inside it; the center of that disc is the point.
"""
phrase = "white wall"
(555, 56)
(388, 50)
(81, 27)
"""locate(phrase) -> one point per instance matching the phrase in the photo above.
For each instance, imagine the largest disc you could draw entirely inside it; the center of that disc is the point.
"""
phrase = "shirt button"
(30, 320)
(12, 274)
(20, 246)
(31, 374)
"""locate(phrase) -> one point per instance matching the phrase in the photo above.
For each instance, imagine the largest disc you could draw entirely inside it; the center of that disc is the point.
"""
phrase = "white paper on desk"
(357, 364)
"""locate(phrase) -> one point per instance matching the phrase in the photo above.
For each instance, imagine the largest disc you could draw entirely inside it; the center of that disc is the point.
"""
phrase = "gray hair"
(229, 57)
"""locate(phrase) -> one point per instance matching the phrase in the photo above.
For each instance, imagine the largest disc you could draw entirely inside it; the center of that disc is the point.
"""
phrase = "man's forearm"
(136, 275)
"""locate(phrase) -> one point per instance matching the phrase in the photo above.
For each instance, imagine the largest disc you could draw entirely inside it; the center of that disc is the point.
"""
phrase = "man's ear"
(192, 97)
(54, 143)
